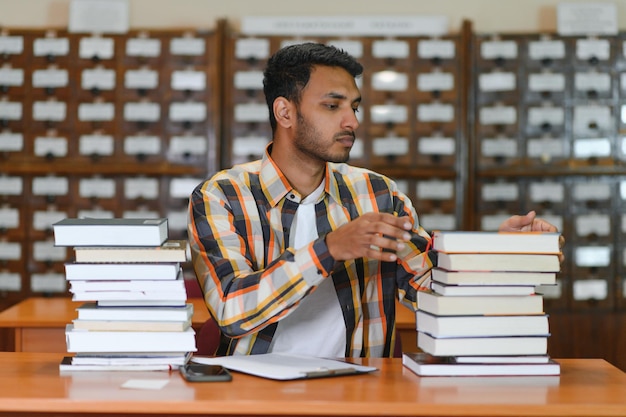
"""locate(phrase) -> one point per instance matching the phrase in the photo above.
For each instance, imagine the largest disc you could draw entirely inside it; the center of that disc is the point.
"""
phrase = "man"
(300, 252)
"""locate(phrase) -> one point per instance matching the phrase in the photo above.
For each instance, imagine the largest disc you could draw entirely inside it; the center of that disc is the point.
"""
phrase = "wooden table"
(38, 324)
(30, 384)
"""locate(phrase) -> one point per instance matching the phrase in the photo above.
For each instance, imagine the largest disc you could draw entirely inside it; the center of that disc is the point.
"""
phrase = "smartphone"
(198, 372)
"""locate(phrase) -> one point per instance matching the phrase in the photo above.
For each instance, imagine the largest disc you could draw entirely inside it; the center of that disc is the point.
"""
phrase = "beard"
(311, 142)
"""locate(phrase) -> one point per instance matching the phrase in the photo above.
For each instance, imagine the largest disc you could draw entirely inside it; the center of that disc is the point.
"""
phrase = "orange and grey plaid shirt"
(239, 236)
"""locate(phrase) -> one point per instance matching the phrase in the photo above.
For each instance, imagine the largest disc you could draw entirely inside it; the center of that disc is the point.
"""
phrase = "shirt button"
(293, 197)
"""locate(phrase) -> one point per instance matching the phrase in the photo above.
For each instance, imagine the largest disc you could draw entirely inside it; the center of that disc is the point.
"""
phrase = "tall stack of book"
(135, 314)
(482, 315)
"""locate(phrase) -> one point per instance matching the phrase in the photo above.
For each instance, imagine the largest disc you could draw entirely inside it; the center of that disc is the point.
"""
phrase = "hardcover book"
(496, 242)
(483, 346)
(170, 251)
(110, 232)
(441, 305)
(481, 325)
(424, 364)
(498, 262)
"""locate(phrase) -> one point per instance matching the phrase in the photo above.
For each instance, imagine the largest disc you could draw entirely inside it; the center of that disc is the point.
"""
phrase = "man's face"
(327, 115)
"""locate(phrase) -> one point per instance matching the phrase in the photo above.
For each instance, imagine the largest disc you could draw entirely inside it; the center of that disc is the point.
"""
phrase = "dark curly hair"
(288, 70)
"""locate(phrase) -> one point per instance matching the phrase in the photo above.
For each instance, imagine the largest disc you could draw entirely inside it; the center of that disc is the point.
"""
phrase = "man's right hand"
(372, 235)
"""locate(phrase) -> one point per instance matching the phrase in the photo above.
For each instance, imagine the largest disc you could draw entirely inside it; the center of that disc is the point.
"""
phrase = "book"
(282, 366)
(481, 325)
(496, 242)
(498, 262)
(141, 303)
(169, 251)
(441, 305)
(177, 285)
(424, 364)
(129, 341)
(504, 359)
(455, 290)
(121, 271)
(110, 232)
(91, 311)
(493, 277)
(130, 296)
(132, 325)
(67, 365)
(482, 346)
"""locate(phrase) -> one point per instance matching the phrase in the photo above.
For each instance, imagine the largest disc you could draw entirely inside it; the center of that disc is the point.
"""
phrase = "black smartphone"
(198, 372)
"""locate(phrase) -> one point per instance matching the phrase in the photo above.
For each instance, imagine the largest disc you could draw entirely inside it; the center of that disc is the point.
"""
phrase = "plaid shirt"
(239, 232)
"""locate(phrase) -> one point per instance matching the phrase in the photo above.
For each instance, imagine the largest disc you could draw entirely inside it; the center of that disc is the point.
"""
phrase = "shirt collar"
(276, 186)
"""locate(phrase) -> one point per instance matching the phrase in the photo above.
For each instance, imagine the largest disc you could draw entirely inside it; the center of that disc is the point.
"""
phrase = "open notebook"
(285, 367)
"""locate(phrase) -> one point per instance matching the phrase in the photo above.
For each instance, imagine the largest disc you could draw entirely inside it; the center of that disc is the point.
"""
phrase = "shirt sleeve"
(243, 295)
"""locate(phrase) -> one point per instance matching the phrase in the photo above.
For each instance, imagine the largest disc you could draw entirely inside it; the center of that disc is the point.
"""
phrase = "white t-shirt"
(316, 326)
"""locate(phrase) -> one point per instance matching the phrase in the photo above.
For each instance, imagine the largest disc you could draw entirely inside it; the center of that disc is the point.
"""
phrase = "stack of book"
(135, 314)
(482, 315)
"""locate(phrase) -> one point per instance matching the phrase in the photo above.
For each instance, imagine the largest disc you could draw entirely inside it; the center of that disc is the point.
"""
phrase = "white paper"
(142, 111)
(590, 256)
(592, 147)
(11, 142)
(435, 190)
(96, 187)
(435, 112)
(252, 48)
(11, 77)
(142, 145)
(548, 191)
(498, 49)
(500, 192)
(141, 79)
(51, 46)
(436, 48)
(183, 187)
(95, 144)
(9, 217)
(143, 47)
(436, 145)
(193, 145)
(99, 16)
(251, 112)
(546, 49)
(592, 81)
(389, 113)
(594, 190)
(51, 78)
(188, 46)
(435, 81)
(147, 188)
(353, 47)
(248, 80)
(390, 81)
(55, 146)
(96, 112)
(285, 367)
(390, 146)
(390, 49)
(590, 289)
(103, 48)
(497, 81)
(494, 147)
(188, 112)
(546, 81)
(188, 80)
(587, 18)
(100, 78)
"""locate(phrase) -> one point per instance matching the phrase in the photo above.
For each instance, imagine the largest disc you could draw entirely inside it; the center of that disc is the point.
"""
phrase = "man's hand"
(372, 235)
(529, 223)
